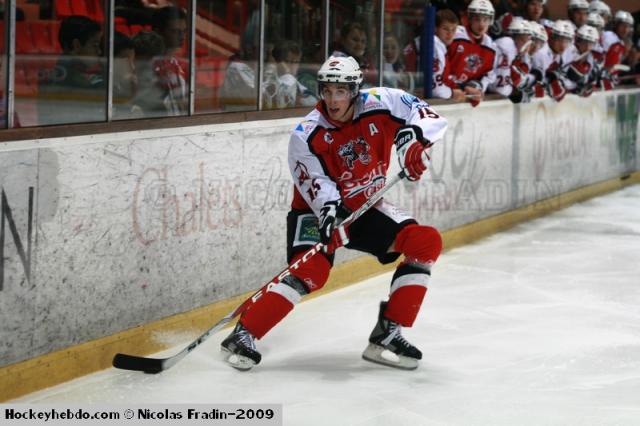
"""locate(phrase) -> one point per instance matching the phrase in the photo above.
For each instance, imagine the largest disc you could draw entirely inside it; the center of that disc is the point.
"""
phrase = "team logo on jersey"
(436, 64)
(460, 48)
(328, 138)
(302, 173)
(473, 63)
(353, 151)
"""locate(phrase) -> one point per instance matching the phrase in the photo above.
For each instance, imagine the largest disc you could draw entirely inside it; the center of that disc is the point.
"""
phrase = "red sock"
(421, 246)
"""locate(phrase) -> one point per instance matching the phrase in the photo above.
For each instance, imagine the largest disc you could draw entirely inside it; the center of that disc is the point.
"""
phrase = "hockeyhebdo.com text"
(219, 414)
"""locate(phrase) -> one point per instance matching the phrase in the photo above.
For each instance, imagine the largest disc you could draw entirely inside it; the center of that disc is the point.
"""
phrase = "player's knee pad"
(307, 275)
(313, 271)
(419, 243)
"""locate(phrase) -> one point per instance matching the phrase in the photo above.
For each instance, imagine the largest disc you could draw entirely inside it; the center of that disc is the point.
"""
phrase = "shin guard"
(280, 299)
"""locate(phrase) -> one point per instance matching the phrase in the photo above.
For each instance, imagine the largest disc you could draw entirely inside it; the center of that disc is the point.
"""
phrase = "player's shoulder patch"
(305, 127)
(371, 99)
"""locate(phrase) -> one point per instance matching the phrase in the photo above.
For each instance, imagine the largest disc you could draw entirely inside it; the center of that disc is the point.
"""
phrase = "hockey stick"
(156, 365)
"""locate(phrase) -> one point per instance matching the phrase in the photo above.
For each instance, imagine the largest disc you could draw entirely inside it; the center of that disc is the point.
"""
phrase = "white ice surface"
(536, 326)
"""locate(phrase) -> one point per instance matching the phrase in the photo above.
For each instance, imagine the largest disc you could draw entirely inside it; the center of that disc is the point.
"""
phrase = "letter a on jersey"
(373, 129)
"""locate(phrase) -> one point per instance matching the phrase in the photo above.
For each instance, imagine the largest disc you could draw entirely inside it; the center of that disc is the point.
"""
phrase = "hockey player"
(551, 62)
(581, 72)
(578, 11)
(613, 45)
(512, 73)
(472, 54)
(596, 21)
(602, 9)
(446, 26)
(533, 10)
(338, 158)
(538, 51)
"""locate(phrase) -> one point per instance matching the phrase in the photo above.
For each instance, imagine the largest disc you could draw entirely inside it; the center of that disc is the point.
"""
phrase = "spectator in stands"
(281, 86)
(239, 90)
(124, 75)
(76, 89)
(81, 42)
(394, 72)
(446, 26)
(353, 42)
(171, 24)
(149, 99)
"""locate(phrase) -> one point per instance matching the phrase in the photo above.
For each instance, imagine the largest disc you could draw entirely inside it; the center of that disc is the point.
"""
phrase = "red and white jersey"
(507, 52)
(471, 59)
(546, 60)
(349, 161)
(582, 63)
(613, 48)
(439, 89)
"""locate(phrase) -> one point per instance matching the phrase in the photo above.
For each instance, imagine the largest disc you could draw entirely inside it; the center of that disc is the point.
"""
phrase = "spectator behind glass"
(124, 75)
(75, 90)
(394, 73)
(282, 88)
(171, 24)
(353, 42)
(149, 99)
(239, 88)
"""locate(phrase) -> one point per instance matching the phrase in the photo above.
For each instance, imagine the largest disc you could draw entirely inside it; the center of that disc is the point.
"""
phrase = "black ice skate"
(240, 349)
(388, 347)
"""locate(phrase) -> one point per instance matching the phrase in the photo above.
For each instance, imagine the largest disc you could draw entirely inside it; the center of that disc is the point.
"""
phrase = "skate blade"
(238, 362)
(380, 355)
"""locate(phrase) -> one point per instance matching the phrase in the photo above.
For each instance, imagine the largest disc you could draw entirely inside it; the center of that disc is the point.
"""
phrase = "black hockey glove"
(331, 215)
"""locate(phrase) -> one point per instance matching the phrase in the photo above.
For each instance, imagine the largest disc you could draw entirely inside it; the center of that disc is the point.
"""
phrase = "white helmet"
(519, 26)
(481, 7)
(539, 33)
(623, 16)
(600, 7)
(595, 21)
(587, 33)
(562, 28)
(578, 4)
(340, 69)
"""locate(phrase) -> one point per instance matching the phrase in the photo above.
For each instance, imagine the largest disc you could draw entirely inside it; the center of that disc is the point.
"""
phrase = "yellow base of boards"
(58, 367)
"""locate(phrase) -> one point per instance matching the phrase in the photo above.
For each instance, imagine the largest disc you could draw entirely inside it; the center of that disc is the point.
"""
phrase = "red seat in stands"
(62, 8)
(24, 42)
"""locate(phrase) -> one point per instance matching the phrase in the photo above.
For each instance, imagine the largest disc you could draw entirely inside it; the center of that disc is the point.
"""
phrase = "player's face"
(446, 32)
(584, 46)
(536, 45)
(337, 99)
(521, 40)
(623, 30)
(559, 44)
(480, 24)
(534, 10)
(579, 17)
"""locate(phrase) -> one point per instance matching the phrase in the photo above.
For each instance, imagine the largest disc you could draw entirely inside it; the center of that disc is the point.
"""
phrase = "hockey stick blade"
(158, 365)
